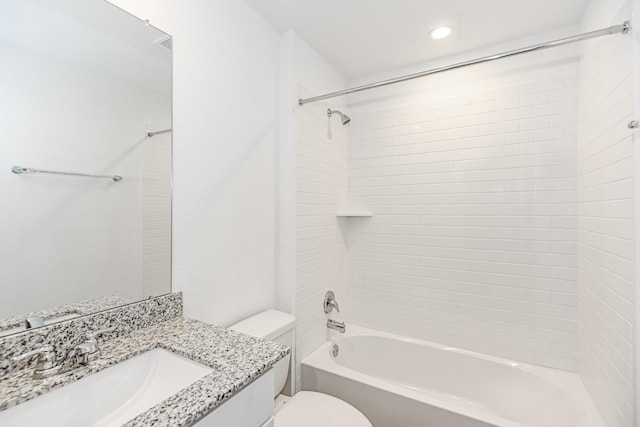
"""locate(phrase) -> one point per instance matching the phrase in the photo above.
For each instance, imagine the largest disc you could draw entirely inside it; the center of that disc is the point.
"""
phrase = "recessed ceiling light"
(440, 33)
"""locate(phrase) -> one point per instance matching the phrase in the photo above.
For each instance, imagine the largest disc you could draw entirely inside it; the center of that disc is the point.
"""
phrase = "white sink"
(112, 396)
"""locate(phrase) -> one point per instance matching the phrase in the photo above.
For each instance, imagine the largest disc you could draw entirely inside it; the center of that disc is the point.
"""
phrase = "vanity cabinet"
(251, 407)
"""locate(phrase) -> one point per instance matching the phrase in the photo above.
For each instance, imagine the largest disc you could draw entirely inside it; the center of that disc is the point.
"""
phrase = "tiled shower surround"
(606, 288)
(502, 200)
(321, 253)
(503, 216)
(473, 238)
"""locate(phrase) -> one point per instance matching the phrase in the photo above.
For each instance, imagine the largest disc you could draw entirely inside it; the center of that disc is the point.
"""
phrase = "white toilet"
(305, 408)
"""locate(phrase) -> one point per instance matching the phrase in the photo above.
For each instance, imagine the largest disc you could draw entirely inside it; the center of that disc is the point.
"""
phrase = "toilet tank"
(272, 325)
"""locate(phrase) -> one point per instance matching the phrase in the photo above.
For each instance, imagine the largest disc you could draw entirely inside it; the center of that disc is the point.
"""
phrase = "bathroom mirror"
(85, 179)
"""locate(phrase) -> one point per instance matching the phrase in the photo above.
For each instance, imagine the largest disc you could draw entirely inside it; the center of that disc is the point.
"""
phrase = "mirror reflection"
(84, 178)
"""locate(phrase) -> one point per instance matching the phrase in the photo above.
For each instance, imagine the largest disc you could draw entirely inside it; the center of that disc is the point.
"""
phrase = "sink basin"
(112, 396)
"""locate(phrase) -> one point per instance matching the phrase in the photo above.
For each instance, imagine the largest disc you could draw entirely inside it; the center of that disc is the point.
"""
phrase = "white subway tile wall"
(157, 216)
(605, 228)
(473, 238)
(321, 258)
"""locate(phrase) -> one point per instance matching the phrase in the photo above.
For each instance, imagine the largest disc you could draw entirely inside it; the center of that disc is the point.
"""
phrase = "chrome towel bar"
(20, 170)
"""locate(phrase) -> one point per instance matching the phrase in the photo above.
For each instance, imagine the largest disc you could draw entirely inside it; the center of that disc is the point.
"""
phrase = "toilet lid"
(311, 409)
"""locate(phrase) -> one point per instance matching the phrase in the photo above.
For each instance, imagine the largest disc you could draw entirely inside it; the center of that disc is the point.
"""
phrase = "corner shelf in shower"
(350, 213)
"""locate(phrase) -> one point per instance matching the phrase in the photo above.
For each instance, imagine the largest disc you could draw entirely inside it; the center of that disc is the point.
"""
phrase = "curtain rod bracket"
(158, 132)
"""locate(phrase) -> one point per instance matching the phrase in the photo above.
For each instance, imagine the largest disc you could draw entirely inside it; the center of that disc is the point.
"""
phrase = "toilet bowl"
(311, 409)
(305, 408)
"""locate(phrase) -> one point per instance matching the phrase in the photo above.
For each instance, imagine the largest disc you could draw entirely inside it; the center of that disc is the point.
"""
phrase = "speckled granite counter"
(238, 359)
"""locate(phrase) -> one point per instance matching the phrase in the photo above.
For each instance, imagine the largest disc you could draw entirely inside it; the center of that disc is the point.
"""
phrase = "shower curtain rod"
(623, 28)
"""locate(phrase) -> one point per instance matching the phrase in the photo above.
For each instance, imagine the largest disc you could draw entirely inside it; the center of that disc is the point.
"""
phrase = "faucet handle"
(46, 357)
(86, 351)
(44, 350)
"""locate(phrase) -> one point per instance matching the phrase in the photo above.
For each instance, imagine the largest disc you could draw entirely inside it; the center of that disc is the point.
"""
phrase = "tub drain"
(335, 350)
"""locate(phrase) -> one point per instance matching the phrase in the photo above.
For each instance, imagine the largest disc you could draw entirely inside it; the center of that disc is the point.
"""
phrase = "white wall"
(636, 157)
(321, 188)
(470, 176)
(86, 234)
(224, 120)
(606, 245)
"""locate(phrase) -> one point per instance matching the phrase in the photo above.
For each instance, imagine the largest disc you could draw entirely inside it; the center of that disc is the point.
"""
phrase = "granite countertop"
(238, 359)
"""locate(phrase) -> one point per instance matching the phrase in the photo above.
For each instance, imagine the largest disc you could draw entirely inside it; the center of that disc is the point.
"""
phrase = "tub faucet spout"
(336, 326)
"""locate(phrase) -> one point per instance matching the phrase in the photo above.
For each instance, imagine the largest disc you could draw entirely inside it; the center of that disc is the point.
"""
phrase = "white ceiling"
(91, 34)
(361, 37)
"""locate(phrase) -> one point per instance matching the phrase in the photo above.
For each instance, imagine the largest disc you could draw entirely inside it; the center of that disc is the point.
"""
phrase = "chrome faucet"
(336, 326)
(89, 349)
(80, 355)
(330, 302)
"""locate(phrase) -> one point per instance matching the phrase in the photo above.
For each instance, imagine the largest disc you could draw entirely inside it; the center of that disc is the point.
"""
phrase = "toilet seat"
(311, 409)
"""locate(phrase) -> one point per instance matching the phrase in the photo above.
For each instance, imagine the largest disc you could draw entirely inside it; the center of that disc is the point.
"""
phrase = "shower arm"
(623, 28)
(331, 112)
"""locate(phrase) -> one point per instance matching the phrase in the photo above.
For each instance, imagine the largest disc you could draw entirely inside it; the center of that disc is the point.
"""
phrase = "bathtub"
(401, 382)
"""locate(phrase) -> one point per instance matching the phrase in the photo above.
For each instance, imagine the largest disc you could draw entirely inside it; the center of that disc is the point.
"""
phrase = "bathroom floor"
(280, 401)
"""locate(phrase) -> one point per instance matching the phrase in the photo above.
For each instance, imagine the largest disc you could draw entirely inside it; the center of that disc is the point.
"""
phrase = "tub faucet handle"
(330, 302)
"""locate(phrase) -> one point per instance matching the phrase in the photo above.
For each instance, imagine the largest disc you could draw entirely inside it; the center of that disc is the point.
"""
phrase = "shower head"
(345, 119)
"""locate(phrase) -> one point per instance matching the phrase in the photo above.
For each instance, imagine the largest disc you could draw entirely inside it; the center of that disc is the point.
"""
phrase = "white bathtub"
(400, 382)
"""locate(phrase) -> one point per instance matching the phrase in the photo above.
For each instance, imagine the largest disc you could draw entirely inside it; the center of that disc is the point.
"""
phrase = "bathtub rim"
(569, 382)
